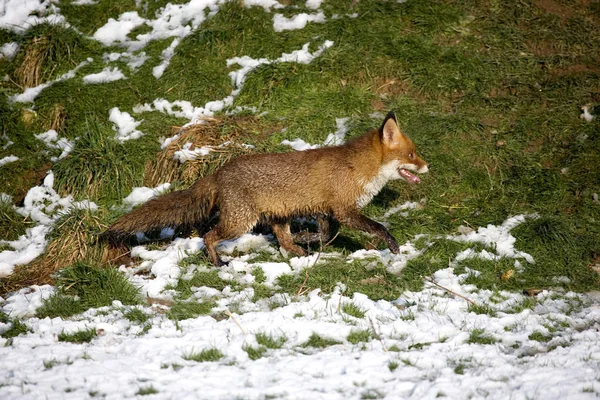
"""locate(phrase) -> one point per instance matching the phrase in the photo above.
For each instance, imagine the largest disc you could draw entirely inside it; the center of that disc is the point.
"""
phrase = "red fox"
(274, 188)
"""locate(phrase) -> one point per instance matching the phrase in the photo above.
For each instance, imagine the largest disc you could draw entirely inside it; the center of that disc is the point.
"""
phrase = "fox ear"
(389, 132)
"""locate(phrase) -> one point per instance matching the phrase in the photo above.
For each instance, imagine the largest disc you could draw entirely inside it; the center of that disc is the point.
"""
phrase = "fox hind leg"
(225, 231)
(285, 238)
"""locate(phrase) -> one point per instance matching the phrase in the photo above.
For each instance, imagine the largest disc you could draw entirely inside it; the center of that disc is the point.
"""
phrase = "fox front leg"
(356, 220)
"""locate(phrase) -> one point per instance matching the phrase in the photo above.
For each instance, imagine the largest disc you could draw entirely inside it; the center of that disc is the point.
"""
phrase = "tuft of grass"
(357, 336)
(49, 364)
(136, 315)
(262, 292)
(254, 353)
(48, 50)
(17, 327)
(481, 309)
(353, 310)
(146, 390)
(101, 168)
(478, 336)
(234, 130)
(83, 336)
(200, 278)
(211, 354)
(269, 341)
(12, 224)
(540, 337)
(393, 365)
(259, 275)
(83, 286)
(394, 348)
(317, 341)
(186, 310)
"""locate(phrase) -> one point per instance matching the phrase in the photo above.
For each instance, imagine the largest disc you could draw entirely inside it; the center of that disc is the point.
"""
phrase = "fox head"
(399, 153)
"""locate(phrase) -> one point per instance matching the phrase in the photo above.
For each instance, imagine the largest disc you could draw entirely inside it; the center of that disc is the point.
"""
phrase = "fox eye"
(411, 155)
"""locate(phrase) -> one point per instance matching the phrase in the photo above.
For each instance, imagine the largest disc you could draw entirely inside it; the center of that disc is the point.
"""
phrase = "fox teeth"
(409, 177)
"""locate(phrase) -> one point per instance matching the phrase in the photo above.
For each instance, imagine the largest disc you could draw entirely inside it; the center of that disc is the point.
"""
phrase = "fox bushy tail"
(182, 210)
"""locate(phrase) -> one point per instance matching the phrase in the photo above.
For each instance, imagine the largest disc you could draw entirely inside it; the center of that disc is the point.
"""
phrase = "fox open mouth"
(408, 177)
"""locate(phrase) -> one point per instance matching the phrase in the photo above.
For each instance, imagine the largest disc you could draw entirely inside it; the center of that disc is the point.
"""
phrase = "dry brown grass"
(73, 239)
(57, 118)
(28, 73)
(226, 136)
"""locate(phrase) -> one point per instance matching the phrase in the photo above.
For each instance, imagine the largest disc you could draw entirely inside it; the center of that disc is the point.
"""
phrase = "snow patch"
(125, 125)
(9, 50)
(333, 139)
(108, 74)
(19, 15)
(54, 142)
(142, 194)
(166, 56)
(8, 159)
(281, 23)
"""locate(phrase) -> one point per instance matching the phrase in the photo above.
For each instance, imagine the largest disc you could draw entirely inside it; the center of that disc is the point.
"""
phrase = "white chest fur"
(386, 173)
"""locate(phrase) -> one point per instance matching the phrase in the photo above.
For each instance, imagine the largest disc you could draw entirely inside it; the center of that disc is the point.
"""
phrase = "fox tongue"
(409, 177)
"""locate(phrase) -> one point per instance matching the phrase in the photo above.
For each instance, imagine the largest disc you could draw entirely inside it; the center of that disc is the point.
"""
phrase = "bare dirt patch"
(554, 8)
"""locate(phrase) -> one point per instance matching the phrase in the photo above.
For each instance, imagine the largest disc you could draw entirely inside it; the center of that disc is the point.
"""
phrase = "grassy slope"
(489, 91)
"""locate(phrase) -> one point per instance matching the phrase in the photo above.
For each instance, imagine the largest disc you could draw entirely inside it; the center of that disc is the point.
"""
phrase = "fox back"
(321, 180)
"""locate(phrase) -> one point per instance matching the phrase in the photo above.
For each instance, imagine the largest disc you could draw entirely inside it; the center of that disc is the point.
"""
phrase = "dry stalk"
(300, 291)
(376, 335)
(28, 73)
(230, 315)
(449, 290)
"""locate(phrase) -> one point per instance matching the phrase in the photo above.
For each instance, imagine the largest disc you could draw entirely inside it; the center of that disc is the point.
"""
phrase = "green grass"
(83, 286)
(540, 337)
(377, 283)
(101, 168)
(83, 336)
(199, 279)
(136, 315)
(357, 336)
(211, 354)
(478, 336)
(147, 390)
(182, 310)
(319, 342)
(17, 328)
(353, 310)
(254, 353)
(49, 364)
(269, 341)
(11, 223)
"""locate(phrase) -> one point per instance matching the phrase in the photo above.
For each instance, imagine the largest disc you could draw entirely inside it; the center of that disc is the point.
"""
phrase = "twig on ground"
(449, 290)
(300, 291)
(230, 315)
(377, 335)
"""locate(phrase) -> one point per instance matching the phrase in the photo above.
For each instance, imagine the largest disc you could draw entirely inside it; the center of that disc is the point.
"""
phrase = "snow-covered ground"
(423, 345)
(419, 350)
